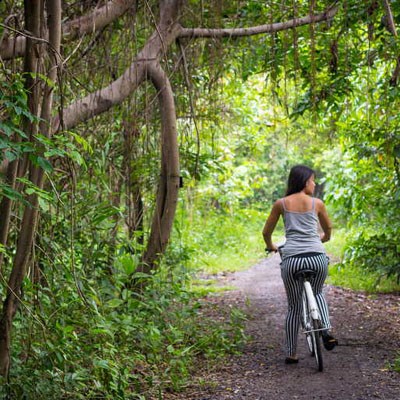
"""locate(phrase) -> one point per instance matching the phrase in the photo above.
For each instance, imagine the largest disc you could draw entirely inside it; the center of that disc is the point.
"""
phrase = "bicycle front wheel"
(316, 344)
(306, 323)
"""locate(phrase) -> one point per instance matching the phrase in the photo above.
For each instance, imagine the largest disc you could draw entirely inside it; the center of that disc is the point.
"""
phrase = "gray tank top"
(301, 230)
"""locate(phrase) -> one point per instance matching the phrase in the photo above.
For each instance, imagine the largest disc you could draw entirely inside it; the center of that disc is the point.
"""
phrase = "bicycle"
(310, 317)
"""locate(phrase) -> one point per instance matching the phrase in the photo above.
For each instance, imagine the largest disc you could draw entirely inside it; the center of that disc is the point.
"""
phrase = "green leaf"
(10, 156)
(55, 152)
(4, 144)
(82, 141)
(114, 303)
(11, 193)
(44, 164)
(104, 364)
(7, 129)
(3, 249)
(21, 133)
(139, 275)
(129, 263)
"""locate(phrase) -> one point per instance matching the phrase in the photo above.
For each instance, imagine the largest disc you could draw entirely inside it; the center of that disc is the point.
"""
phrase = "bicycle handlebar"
(278, 250)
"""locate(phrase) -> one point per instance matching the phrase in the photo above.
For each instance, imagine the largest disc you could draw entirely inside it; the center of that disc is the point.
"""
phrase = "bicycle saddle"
(304, 273)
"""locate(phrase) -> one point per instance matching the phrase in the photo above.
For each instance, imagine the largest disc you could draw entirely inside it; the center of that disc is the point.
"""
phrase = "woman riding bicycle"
(303, 249)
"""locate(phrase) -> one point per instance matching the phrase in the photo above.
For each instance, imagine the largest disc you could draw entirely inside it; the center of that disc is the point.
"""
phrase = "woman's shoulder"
(319, 204)
(279, 204)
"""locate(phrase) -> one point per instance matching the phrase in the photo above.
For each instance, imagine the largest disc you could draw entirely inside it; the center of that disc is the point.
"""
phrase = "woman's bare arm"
(325, 222)
(270, 225)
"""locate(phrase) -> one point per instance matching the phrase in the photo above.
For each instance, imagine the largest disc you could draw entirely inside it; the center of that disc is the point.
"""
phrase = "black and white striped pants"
(294, 288)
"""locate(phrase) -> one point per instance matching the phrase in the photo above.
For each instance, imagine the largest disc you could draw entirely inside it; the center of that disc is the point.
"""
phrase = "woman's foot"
(291, 360)
(329, 341)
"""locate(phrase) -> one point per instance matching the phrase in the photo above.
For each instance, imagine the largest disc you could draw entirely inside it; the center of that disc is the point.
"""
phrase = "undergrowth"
(110, 342)
(219, 241)
(89, 336)
(353, 275)
(396, 364)
(359, 279)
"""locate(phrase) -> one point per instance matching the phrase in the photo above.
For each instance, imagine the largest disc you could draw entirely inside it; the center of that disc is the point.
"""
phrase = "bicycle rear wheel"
(316, 344)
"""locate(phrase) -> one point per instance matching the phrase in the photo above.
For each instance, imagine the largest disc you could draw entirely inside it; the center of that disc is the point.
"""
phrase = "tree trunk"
(34, 19)
(6, 205)
(32, 22)
(31, 62)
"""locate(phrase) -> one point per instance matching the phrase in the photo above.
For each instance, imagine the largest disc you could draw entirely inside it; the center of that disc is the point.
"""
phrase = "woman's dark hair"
(298, 177)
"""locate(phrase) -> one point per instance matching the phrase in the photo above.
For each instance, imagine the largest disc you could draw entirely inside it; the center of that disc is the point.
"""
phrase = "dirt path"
(368, 330)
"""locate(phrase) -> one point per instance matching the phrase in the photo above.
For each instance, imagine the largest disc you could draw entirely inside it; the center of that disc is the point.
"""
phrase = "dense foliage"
(248, 109)
(93, 337)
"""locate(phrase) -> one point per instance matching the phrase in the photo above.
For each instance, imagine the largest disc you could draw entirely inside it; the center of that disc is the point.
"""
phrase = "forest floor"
(367, 327)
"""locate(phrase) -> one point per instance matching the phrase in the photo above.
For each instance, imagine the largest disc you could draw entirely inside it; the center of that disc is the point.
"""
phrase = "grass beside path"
(355, 277)
(223, 242)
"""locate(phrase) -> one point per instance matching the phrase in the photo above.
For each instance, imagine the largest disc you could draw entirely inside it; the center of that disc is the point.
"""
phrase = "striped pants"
(294, 288)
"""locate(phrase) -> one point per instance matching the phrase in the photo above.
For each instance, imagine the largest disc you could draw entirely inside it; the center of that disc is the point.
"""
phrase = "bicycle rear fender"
(312, 303)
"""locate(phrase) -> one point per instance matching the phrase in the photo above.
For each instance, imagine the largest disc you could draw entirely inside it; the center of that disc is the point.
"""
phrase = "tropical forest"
(143, 144)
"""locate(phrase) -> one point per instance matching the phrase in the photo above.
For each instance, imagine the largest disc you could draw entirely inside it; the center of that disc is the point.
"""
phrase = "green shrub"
(106, 341)
(396, 365)
(377, 252)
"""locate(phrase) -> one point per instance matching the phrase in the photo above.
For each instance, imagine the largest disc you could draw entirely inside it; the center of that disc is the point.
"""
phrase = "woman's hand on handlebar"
(271, 249)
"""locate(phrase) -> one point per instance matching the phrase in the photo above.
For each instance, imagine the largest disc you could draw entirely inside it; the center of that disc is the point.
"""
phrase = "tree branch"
(13, 47)
(97, 19)
(269, 28)
(167, 193)
(392, 29)
(389, 15)
(115, 93)
(166, 33)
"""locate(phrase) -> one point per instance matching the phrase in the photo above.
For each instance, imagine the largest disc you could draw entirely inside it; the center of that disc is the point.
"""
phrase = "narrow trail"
(368, 330)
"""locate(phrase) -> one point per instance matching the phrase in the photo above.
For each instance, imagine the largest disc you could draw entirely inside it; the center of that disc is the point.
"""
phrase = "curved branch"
(97, 19)
(115, 93)
(168, 188)
(269, 28)
(13, 47)
(167, 32)
(103, 99)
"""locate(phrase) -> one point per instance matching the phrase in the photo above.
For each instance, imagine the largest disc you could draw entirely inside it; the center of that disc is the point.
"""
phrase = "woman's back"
(301, 226)
(298, 202)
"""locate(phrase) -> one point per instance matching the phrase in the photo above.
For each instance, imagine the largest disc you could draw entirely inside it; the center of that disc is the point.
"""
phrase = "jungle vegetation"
(143, 142)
